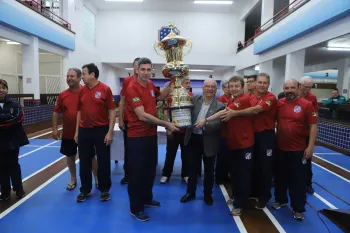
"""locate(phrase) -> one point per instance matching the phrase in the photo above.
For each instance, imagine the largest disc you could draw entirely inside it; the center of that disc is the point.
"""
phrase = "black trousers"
(143, 153)
(10, 170)
(222, 162)
(241, 170)
(90, 139)
(173, 142)
(263, 162)
(291, 175)
(195, 154)
(309, 173)
(125, 137)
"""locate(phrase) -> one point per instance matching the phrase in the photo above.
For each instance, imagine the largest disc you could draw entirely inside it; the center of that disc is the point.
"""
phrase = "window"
(89, 25)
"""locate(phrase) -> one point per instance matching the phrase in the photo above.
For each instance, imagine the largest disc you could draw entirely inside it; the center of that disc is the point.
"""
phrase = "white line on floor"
(331, 172)
(237, 219)
(6, 212)
(274, 220)
(43, 134)
(334, 153)
(336, 165)
(28, 177)
(330, 205)
(42, 147)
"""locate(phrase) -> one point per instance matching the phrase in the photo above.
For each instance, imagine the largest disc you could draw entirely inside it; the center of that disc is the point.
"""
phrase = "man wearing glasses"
(305, 91)
(251, 85)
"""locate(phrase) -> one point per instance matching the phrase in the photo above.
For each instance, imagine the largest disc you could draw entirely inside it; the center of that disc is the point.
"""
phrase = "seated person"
(335, 99)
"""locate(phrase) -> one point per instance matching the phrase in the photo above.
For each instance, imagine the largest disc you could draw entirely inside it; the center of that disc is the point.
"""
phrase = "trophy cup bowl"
(179, 101)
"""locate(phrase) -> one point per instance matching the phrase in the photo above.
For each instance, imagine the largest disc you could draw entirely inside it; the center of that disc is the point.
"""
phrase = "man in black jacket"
(12, 137)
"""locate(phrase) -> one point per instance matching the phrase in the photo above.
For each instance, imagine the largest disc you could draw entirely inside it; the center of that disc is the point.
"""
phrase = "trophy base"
(181, 116)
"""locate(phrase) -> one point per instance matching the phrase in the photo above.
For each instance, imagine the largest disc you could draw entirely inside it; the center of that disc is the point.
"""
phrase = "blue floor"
(53, 209)
(333, 156)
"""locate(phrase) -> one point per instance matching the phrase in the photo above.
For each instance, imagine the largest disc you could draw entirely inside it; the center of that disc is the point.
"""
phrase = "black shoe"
(187, 197)
(153, 204)
(208, 199)
(20, 194)
(105, 196)
(310, 189)
(5, 197)
(83, 196)
(141, 216)
(259, 205)
(124, 180)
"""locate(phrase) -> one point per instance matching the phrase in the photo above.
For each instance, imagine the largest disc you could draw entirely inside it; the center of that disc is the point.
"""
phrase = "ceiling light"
(338, 49)
(256, 67)
(12, 42)
(214, 2)
(129, 68)
(124, 0)
(210, 71)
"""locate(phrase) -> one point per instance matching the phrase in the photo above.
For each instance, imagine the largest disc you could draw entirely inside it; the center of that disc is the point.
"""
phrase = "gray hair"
(185, 79)
(305, 79)
(264, 75)
(224, 84)
(213, 80)
(77, 71)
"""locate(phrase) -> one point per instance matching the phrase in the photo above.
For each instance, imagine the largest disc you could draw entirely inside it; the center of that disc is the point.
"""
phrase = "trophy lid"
(172, 39)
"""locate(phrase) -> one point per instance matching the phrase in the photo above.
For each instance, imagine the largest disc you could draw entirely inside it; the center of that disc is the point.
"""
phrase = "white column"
(30, 68)
(267, 7)
(277, 78)
(343, 77)
(267, 67)
(65, 67)
(295, 63)
(109, 77)
(68, 8)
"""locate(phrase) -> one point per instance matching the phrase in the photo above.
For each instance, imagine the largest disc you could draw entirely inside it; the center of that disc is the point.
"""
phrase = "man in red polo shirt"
(305, 91)
(141, 96)
(95, 125)
(296, 121)
(240, 142)
(67, 103)
(123, 119)
(251, 85)
(264, 112)
(221, 166)
(174, 140)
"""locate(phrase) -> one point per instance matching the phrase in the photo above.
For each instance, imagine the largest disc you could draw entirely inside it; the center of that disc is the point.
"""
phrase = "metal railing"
(45, 12)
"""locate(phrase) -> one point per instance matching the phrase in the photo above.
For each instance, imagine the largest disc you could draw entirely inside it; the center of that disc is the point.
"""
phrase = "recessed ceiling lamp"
(12, 42)
(124, 0)
(209, 71)
(338, 49)
(214, 2)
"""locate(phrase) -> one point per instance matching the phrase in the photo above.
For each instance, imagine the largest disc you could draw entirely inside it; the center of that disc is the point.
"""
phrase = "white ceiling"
(166, 5)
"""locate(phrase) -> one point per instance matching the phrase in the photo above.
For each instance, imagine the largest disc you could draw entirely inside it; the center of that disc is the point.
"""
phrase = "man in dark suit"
(203, 141)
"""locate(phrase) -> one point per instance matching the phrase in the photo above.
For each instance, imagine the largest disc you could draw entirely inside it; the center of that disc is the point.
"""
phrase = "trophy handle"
(188, 43)
(155, 46)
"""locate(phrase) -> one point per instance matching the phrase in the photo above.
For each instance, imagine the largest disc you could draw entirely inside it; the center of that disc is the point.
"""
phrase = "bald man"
(296, 136)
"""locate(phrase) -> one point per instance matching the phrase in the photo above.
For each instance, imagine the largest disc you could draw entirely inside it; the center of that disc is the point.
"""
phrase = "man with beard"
(67, 103)
(305, 91)
(296, 121)
(141, 96)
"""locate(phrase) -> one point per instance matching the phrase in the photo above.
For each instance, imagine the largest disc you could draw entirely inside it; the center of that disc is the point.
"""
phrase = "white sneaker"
(186, 179)
(164, 180)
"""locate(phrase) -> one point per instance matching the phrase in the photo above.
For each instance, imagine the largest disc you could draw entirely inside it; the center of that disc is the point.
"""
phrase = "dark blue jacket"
(12, 135)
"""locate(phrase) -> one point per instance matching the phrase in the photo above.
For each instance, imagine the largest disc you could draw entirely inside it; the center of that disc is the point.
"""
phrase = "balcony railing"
(46, 12)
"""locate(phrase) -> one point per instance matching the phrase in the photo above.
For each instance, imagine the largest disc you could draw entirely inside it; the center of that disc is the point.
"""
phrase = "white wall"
(122, 36)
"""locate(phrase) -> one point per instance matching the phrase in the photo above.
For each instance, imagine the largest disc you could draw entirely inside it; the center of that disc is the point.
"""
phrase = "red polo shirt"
(265, 120)
(67, 103)
(240, 133)
(126, 82)
(136, 95)
(94, 105)
(225, 100)
(313, 99)
(293, 123)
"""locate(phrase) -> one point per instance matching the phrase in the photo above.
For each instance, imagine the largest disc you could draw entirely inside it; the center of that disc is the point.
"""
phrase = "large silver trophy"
(180, 101)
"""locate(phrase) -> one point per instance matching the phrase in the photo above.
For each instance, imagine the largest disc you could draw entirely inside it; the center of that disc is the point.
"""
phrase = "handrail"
(275, 19)
(45, 12)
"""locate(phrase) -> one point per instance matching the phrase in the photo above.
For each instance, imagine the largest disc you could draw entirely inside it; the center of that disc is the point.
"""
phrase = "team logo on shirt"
(248, 156)
(269, 152)
(98, 95)
(297, 109)
(152, 93)
(268, 102)
(136, 99)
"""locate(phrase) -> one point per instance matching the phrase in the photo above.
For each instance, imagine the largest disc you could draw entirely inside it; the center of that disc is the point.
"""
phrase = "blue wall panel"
(14, 18)
(321, 14)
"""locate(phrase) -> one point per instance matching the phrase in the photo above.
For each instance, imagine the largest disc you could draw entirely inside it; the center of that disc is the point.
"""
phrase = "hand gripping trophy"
(180, 101)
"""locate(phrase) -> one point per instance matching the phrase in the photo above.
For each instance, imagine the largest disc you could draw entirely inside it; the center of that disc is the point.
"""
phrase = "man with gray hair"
(305, 91)
(67, 103)
(203, 142)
